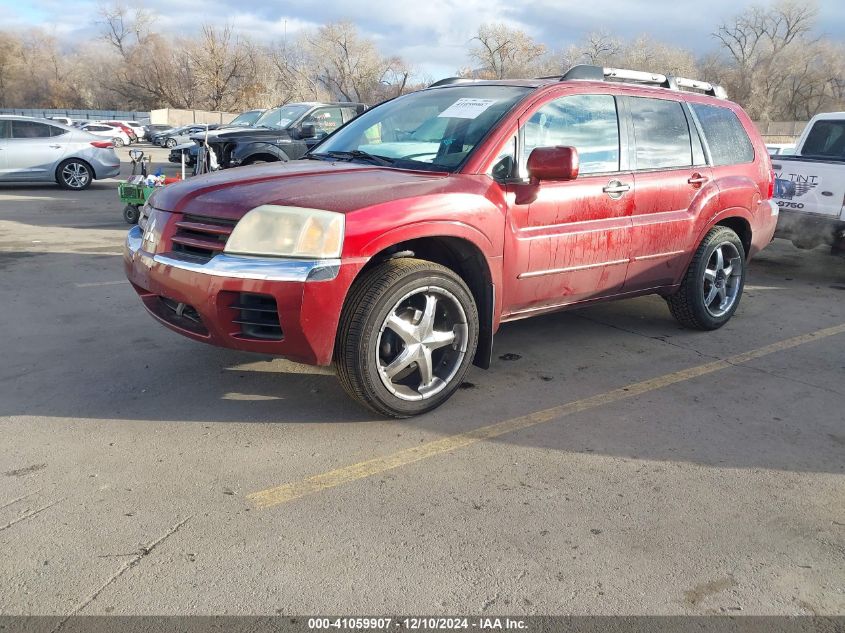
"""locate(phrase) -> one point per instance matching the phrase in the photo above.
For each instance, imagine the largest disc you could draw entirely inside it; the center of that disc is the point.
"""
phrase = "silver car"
(42, 150)
(183, 134)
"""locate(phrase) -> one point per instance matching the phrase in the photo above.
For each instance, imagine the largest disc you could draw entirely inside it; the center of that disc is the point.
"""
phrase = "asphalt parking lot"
(615, 464)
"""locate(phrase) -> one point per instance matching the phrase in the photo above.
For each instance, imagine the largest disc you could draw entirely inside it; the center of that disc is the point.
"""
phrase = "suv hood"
(240, 134)
(315, 184)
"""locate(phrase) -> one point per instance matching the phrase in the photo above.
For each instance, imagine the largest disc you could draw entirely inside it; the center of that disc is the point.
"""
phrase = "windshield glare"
(281, 117)
(430, 129)
(246, 118)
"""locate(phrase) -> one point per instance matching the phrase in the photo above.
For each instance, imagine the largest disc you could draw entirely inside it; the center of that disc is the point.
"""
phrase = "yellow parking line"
(288, 492)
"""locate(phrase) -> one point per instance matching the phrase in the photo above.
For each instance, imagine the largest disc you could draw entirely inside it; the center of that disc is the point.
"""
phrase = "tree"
(351, 67)
(222, 64)
(125, 28)
(758, 43)
(10, 55)
(502, 51)
(643, 53)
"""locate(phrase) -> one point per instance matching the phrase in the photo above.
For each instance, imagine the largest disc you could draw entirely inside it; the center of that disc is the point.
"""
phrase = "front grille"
(257, 317)
(201, 237)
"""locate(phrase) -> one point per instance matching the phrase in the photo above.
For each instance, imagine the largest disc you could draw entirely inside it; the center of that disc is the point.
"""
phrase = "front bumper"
(308, 297)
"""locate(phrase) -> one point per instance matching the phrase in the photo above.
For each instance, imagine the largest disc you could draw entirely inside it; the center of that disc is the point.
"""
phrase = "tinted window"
(586, 122)
(661, 133)
(30, 129)
(349, 113)
(827, 138)
(57, 131)
(5, 129)
(728, 142)
(326, 120)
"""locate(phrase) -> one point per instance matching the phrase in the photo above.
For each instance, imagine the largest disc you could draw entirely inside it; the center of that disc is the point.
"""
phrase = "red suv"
(402, 241)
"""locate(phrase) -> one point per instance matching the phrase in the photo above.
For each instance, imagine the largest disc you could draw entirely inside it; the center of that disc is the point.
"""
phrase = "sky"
(430, 34)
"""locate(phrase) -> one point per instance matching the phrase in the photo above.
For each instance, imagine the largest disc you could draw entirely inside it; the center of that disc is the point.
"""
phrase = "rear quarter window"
(826, 139)
(728, 142)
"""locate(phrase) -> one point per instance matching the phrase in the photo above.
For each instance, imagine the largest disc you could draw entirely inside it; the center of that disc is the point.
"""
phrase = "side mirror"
(307, 130)
(553, 163)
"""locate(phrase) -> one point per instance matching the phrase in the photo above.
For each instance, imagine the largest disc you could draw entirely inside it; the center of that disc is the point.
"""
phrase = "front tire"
(712, 287)
(407, 336)
(170, 143)
(74, 174)
(118, 142)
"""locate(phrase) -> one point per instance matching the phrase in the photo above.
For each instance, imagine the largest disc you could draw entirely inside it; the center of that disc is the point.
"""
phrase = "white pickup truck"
(810, 185)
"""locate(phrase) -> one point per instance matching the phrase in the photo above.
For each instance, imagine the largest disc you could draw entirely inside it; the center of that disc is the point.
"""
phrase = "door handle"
(696, 180)
(615, 189)
(56, 146)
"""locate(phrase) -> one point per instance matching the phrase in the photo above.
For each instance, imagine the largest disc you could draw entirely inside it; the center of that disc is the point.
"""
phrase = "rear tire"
(131, 214)
(712, 287)
(74, 174)
(406, 338)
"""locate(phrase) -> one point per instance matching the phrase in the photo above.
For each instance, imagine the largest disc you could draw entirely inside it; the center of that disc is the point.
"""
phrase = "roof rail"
(449, 80)
(599, 73)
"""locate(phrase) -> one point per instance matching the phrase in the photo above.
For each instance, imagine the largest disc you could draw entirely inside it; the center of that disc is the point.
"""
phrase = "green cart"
(133, 196)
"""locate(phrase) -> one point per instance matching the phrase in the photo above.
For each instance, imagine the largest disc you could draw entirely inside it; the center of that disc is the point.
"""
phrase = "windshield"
(281, 118)
(431, 129)
(246, 118)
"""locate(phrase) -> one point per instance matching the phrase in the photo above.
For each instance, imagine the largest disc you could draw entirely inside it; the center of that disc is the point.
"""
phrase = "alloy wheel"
(722, 279)
(422, 343)
(75, 175)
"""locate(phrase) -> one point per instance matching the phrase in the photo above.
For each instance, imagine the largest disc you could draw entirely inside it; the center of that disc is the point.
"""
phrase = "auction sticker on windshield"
(466, 108)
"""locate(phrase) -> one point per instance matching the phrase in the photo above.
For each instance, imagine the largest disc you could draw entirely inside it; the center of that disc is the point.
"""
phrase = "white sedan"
(118, 136)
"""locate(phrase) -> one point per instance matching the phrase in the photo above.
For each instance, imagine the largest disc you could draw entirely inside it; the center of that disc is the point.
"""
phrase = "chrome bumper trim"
(239, 267)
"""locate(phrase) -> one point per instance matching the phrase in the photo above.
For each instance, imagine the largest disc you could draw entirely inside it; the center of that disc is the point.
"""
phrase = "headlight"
(288, 232)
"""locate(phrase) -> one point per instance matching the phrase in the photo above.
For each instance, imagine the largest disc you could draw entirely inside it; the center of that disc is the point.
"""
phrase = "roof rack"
(450, 80)
(599, 73)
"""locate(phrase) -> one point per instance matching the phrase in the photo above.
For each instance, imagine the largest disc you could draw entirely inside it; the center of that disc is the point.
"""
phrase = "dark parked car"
(190, 149)
(183, 135)
(153, 129)
(280, 134)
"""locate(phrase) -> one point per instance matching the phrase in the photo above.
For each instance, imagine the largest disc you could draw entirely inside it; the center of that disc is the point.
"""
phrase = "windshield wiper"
(357, 153)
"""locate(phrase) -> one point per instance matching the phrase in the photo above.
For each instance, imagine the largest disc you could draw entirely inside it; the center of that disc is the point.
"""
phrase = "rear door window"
(349, 114)
(661, 133)
(326, 120)
(826, 139)
(728, 142)
(5, 129)
(30, 129)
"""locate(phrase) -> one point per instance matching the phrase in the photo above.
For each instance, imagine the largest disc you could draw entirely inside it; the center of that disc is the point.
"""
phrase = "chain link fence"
(780, 131)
